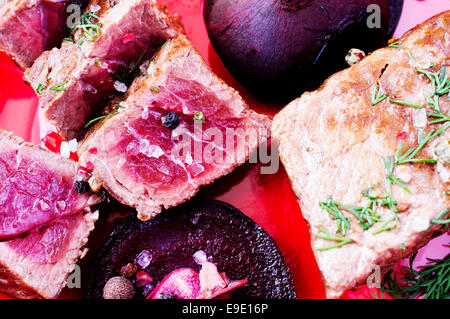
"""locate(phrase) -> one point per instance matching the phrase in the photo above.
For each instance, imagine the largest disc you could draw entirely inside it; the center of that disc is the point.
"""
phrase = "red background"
(267, 199)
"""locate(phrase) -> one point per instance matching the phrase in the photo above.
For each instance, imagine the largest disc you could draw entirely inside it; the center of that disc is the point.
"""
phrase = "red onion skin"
(280, 48)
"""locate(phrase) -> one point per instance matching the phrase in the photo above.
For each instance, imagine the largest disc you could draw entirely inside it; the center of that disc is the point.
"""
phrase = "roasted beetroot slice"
(237, 245)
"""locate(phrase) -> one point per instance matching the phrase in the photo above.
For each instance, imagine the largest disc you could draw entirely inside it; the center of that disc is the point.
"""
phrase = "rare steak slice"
(366, 155)
(179, 128)
(29, 27)
(37, 188)
(38, 264)
(75, 81)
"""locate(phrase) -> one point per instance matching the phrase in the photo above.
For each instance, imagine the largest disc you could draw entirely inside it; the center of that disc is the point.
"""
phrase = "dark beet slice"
(237, 245)
(280, 48)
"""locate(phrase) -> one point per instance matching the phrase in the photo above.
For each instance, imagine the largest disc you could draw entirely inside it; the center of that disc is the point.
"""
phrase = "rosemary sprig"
(431, 281)
(397, 44)
(441, 86)
(59, 87)
(126, 74)
(340, 240)
(103, 116)
(90, 30)
(433, 102)
(406, 103)
(377, 95)
(385, 226)
(390, 180)
(439, 80)
(343, 224)
(440, 219)
(408, 156)
(40, 88)
(366, 215)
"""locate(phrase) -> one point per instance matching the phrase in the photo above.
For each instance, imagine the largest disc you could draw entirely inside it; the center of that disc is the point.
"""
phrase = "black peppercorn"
(171, 120)
(81, 187)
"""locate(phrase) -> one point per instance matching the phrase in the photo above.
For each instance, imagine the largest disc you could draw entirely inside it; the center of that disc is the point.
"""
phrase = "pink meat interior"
(32, 195)
(158, 158)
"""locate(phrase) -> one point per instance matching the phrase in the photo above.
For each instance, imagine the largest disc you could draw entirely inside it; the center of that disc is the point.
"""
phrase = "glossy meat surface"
(149, 166)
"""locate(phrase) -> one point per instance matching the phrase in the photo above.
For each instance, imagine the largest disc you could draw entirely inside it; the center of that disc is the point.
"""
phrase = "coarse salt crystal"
(123, 104)
(65, 150)
(151, 68)
(144, 259)
(200, 257)
(120, 86)
(195, 169)
(95, 8)
(73, 145)
(44, 206)
(420, 118)
(150, 150)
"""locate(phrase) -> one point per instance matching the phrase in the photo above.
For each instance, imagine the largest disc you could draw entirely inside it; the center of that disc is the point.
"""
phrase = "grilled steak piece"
(38, 265)
(76, 81)
(333, 142)
(151, 154)
(29, 27)
(36, 189)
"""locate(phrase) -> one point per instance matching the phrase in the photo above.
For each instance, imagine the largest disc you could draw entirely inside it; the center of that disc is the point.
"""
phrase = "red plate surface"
(267, 199)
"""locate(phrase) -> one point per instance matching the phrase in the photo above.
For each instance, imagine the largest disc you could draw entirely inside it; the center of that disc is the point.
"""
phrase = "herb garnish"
(441, 221)
(340, 240)
(366, 215)
(389, 200)
(406, 103)
(343, 224)
(155, 89)
(397, 44)
(377, 95)
(59, 87)
(40, 88)
(432, 281)
(439, 80)
(385, 226)
(104, 116)
(126, 74)
(89, 29)
(408, 156)
(441, 86)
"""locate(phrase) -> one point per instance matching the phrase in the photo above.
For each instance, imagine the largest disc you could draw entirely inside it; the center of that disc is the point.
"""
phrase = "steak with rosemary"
(362, 158)
(29, 27)
(98, 61)
(179, 128)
